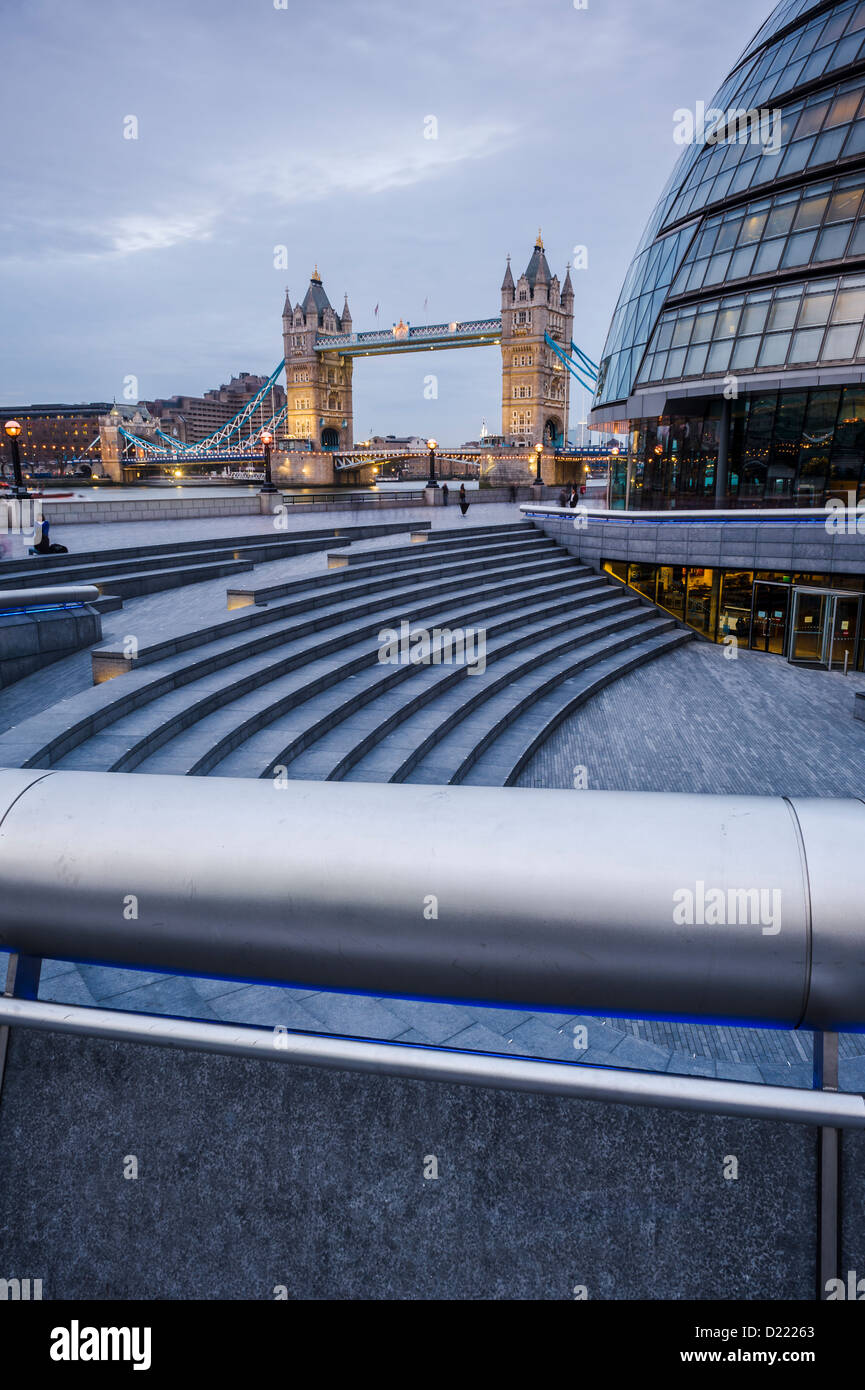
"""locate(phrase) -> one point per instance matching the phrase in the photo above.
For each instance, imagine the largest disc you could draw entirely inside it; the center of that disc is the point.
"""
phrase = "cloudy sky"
(264, 124)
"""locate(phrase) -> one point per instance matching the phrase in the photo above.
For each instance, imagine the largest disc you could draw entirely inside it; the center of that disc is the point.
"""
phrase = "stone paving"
(750, 725)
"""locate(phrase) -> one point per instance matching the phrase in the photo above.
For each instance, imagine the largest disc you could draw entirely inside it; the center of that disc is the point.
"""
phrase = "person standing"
(445, 492)
(464, 506)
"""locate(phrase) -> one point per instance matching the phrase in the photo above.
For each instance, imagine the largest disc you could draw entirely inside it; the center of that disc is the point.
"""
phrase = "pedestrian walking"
(464, 506)
(445, 492)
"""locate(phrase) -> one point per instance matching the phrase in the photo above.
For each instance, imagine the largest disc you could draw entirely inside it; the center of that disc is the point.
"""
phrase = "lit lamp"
(267, 440)
(539, 453)
(13, 429)
(432, 445)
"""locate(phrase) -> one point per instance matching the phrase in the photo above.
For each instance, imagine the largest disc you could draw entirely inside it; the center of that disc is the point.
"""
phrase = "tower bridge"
(313, 432)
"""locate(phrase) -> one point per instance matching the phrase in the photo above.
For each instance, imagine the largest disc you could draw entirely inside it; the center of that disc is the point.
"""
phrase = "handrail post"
(22, 982)
(828, 1169)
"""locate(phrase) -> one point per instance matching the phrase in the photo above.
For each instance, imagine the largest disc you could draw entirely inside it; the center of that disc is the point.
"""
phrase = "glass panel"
(734, 617)
(768, 631)
(702, 600)
(671, 589)
(695, 362)
(682, 331)
(844, 204)
(703, 327)
(752, 228)
(843, 635)
(806, 346)
(780, 220)
(754, 318)
(810, 213)
(833, 242)
(742, 261)
(799, 248)
(774, 350)
(768, 256)
(841, 342)
(811, 119)
(719, 357)
(745, 353)
(782, 314)
(809, 619)
(728, 235)
(844, 108)
(815, 309)
(849, 305)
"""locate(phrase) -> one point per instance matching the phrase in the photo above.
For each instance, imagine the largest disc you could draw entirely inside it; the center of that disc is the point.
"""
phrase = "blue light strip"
(43, 608)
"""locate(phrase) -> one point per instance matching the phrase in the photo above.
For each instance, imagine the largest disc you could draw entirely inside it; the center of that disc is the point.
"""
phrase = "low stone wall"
(29, 641)
(339, 1185)
(761, 541)
(117, 508)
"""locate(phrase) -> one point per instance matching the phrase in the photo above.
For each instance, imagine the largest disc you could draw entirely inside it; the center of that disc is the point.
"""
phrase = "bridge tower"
(317, 384)
(534, 381)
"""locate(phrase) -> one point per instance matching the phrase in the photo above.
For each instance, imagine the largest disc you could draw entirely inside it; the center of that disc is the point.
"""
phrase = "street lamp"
(432, 445)
(13, 429)
(539, 453)
(267, 439)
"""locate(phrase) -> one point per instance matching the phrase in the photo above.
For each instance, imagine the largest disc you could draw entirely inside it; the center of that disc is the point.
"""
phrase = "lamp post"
(432, 444)
(539, 453)
(267, 439)
(13, 429)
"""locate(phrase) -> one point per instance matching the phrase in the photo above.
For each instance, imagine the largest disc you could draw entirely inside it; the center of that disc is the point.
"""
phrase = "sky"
(274, 135)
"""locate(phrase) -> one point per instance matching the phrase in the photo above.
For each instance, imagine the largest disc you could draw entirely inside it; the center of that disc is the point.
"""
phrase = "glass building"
(736, 355)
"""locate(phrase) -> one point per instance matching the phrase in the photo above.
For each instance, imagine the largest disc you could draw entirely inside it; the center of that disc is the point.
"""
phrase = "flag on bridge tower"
(376, 311)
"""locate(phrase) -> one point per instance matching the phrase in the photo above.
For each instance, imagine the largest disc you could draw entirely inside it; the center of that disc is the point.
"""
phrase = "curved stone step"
(533, 639)
(188, 698)
(451, 757)
(503, 760)
(227, 731)
(461, 561)
(37, 742)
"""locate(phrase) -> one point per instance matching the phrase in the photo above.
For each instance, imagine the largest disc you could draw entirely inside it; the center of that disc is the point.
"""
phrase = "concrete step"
(451, 756)
(419, 732)
(417, 561)
(37, 742)
(531, 631)
(229, 543)
(209, 721)
(264, 739)
(502, 762)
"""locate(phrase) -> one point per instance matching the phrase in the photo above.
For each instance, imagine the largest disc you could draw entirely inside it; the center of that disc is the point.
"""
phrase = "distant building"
(54, 436)
(318, 383)
(190, 418)
(534, 380)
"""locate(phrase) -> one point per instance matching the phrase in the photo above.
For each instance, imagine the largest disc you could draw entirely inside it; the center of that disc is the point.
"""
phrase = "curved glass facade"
(748, 285)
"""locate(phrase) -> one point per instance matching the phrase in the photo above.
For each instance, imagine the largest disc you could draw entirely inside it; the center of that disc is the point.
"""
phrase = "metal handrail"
(576, 1081)
(534, 899)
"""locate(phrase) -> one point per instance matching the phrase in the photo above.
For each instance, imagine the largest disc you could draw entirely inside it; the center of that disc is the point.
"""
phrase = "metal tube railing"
(745, 909)
(571, 1080)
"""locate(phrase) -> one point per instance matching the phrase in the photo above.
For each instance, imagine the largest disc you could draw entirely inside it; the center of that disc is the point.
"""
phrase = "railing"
(47, 598)
(355, 498)
(387, 337)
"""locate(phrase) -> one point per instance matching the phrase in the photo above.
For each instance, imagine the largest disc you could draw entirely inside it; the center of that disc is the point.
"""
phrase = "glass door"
(824, 627)
(844, 630)
(809, 627)
(769, 619)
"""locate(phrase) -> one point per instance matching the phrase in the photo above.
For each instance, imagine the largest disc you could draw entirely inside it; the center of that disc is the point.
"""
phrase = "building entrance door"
(769, 617)
(824, 627)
